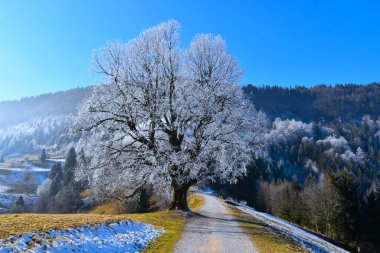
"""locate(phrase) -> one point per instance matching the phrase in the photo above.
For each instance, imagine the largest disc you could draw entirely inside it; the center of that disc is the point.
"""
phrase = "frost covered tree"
(167, 117)
(60, 193)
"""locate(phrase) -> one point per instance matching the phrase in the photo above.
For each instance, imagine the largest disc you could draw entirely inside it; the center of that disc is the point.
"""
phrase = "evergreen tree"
(56, 171)
(62, 192)
(19, 205)
(43, 156)
(56, 185)
(371, 217)
(69, 167)
(68, 199)
(347, 220)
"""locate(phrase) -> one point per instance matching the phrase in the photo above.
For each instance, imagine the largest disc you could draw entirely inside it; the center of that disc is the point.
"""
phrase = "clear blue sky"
(46, 46)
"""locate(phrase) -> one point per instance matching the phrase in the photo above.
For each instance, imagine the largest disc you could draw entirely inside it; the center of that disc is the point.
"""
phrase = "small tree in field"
(69, 167)
(19, 205)
(167, 117)
(43, 156)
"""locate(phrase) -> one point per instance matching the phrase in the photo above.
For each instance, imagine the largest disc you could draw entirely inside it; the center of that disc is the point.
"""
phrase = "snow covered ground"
(123, 236)
(308, 240)
(27, 169)
(32, 174)
(55, 160)
(21, 181)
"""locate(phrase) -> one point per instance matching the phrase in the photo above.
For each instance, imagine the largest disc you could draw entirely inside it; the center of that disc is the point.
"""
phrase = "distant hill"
(52, 104)
(31, 123)
(319, 103)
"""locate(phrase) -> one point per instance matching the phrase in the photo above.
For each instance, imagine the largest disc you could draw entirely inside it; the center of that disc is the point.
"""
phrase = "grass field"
(264, 238)
(171, 221)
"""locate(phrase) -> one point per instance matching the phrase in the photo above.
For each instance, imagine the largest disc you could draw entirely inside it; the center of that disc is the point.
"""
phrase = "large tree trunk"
(179, 201)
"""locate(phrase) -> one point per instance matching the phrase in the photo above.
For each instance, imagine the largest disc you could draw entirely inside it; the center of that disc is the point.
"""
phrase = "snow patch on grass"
(123, 236)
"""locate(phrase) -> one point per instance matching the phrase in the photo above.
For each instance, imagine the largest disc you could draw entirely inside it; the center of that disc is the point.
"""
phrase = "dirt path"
(213, 229)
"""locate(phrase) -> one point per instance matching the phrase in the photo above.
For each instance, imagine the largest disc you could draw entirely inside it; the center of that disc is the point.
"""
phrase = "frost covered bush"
(288, 130)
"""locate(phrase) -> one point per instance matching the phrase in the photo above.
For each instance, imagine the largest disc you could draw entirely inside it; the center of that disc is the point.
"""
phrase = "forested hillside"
(325, 104)
(52, 104)
(29, 124)
(319, 103)
(323, 165)
(30, 137)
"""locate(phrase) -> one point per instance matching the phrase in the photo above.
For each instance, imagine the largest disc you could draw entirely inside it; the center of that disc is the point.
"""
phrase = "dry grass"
(11, 224)
(195, 201)
(107, 209)
(85, 193)
(264, 238)
(171, 221)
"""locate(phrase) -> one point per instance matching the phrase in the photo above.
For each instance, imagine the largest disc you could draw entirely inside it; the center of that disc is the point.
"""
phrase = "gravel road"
(212, 229)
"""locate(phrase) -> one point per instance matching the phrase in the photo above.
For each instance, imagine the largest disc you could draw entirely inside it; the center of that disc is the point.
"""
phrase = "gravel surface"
(213, 229)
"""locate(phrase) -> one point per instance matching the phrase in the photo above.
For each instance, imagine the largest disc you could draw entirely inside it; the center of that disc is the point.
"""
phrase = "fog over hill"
(51, 104)
(29, 124)
(319, 103)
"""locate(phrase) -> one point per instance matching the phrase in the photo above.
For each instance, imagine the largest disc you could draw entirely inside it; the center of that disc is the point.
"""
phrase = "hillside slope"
(319, 103)
(52, 104)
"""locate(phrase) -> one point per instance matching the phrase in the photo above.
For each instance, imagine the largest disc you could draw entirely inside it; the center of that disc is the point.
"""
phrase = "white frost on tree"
(288, 130)
(337, 144)
(167, 117)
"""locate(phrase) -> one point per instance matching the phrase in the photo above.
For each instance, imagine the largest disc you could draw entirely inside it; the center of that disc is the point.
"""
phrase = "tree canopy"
(168, 117)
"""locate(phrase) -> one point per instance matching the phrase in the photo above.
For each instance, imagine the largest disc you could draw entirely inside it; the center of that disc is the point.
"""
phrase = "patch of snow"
(17, 176)
(123, 236)
(4, 188)
(13, 155)
(27, 169)
(308, 240)
(61, 160)
(6, 200)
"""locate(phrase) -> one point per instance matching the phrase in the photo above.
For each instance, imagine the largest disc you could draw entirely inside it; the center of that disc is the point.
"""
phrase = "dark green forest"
(323, 165)
(319, 103)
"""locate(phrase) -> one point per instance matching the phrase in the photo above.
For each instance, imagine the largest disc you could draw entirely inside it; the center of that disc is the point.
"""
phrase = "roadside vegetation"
(263, 237)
